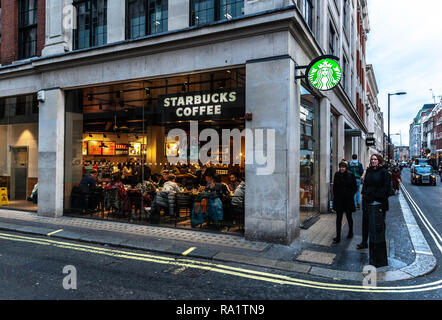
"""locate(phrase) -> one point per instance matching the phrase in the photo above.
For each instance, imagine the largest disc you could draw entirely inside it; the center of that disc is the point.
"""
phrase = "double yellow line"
(222, 269)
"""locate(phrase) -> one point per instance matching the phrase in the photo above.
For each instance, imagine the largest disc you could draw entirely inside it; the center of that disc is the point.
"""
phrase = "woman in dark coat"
(344, 189)
(396, 179)
(376, 187)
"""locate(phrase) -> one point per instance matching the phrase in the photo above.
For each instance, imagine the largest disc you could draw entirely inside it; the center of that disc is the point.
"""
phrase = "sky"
(405, 48)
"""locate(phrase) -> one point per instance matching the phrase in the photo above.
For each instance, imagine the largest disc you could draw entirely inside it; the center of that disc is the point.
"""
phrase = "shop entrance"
(19, 173)
(123, 161)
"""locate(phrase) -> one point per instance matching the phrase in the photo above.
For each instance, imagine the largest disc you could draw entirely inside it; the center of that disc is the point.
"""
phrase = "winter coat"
(207, 206)
(396, 178)
(377, 186)
(344, 189)
(238, 197)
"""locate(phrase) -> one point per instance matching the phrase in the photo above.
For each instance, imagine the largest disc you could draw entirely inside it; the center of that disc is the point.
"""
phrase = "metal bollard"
(377, 244)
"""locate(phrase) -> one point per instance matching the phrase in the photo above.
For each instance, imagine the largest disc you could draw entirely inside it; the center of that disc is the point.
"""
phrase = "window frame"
(25, 52)
(93, 39)
(308, 16)
(149, 9)
(217, 11)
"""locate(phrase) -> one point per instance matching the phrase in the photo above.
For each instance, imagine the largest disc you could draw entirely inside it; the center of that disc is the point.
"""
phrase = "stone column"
(272, 201)
(178, 14)
(324, 154)
(340, 139)
(116, 17)
(51, 129)
(60, 21)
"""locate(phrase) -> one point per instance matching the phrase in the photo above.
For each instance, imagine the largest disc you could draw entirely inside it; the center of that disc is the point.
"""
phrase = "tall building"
(417, 142)
(94, 83)
(375, 118)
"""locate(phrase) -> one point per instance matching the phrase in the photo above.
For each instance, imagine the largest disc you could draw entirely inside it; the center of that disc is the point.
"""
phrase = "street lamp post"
(389, 139)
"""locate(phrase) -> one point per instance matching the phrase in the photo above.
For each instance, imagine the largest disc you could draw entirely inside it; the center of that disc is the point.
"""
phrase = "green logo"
(325, 74)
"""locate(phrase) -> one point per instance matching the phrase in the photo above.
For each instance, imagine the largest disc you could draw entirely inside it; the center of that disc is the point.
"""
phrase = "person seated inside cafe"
(89, 181)
(170, 185)
(164, 178)
(214, 184)
(238, 196)
(233, 182)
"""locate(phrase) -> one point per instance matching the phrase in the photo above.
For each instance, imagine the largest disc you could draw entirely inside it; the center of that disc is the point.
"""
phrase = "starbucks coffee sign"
(323, 73)
(208, 105)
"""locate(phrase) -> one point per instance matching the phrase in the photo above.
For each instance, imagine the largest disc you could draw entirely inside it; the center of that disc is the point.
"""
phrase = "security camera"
(41, 96)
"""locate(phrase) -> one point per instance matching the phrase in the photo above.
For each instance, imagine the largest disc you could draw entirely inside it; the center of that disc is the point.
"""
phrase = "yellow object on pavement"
(4, 197)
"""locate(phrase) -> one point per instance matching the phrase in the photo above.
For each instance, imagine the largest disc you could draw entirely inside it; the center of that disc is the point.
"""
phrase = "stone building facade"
(265, 40)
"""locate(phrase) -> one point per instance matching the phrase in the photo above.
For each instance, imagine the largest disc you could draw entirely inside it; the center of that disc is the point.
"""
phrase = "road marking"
(436, 237)
(51, 233)
(185, 253)
(224, 269)
(423, 252)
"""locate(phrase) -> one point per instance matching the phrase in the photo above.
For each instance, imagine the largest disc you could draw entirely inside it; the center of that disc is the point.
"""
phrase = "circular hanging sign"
(324, 74)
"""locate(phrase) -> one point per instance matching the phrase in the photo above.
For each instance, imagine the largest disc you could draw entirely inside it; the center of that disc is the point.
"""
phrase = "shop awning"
(353, 132)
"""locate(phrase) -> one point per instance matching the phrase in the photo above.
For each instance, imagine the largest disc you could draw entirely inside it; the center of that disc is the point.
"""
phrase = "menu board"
(135, 149)
(84, 149)
(108, 148)
(121, 149)
(94, 148)
(172, 148)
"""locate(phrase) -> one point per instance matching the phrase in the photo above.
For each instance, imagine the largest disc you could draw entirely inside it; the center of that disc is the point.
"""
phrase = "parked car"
(423, 174)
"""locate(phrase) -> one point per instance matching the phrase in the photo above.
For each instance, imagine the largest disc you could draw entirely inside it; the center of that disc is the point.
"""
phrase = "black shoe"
(362, 246)
(350, 235)
(336, 240)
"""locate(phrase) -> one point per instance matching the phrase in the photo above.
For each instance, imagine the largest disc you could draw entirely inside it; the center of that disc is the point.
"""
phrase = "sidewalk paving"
(311, 253)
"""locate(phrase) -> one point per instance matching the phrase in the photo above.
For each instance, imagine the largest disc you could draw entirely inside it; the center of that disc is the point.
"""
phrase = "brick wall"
(9, 21)
(41, 23)
(9, 48)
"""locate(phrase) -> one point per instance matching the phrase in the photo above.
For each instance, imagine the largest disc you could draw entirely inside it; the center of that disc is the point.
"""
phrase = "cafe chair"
(183, 204)
(135, 200)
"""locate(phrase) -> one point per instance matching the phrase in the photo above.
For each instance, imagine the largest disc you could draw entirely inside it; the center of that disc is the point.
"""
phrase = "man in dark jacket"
(355, 167)
(344, 188)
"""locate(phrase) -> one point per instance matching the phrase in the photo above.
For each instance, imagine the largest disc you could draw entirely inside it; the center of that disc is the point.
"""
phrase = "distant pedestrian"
(356, 168)
(396, 179)
(344, 188)
(376, 187)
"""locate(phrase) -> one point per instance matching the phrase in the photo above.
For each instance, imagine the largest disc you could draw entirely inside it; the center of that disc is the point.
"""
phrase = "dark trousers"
(365, 221)
(339, 216)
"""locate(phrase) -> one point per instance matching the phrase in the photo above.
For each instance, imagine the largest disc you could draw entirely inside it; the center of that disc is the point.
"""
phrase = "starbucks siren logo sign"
(325, 74)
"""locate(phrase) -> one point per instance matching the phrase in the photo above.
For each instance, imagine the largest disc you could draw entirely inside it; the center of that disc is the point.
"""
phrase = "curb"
(424, 262)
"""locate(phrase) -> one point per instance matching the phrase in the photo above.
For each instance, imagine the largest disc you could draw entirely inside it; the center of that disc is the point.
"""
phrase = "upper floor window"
(91, 23)
(332, 40)
(307, 12)
(27, 29)
(345, 10)
(146, 17)
(206, 11)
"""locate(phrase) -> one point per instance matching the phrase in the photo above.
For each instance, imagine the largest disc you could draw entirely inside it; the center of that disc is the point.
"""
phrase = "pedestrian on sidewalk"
(355, 167)
(396, 179)
(376, 187)
(344, 189)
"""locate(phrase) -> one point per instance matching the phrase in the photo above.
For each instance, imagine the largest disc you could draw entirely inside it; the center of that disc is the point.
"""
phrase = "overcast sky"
(405, 48)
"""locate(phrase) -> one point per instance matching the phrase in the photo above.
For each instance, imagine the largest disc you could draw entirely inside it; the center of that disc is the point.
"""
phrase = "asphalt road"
(31, 268)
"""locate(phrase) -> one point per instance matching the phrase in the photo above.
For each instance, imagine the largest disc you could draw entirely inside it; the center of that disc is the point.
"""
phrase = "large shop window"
(309, 195)
(145, 17)
(27, 29)
(123, 163)
(91, 23)
(207, 11)
(19, 152)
